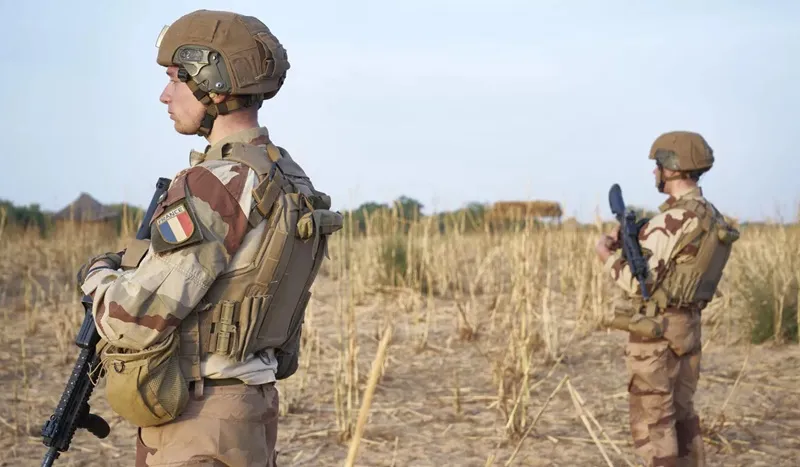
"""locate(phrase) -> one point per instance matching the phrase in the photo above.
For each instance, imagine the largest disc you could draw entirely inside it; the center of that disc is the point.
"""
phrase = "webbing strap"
(273, 152)
(212, 109)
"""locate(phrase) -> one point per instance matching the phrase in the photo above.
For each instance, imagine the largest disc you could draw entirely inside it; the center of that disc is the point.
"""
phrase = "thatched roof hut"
(86, 209)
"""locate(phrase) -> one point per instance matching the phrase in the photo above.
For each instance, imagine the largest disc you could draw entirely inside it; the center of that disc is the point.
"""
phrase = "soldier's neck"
(681, 187)
(226, 125)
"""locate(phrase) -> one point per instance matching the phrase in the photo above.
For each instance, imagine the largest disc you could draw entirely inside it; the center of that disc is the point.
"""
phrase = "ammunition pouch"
(145, 387)
(638, 324)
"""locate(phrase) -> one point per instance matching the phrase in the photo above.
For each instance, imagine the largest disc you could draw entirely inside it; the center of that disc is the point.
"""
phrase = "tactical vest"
(262, 305)
(693, 280)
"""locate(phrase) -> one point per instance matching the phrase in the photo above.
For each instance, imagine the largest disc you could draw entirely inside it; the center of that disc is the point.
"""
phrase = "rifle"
(73, 410)
(629, 237)
(635, 323)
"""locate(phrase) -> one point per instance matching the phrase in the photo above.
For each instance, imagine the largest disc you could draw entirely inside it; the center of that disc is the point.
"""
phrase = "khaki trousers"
(663, 380)
(232, 426)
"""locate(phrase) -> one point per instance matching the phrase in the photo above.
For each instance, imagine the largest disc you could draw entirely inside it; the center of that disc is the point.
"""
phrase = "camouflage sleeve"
(196, 231)
(658, 238)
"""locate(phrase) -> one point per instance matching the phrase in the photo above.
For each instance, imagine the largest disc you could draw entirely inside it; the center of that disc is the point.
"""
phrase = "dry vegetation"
(491, 352)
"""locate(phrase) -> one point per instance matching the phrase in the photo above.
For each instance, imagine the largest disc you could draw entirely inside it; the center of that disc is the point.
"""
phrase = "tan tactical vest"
(262, 305)
(694, 281)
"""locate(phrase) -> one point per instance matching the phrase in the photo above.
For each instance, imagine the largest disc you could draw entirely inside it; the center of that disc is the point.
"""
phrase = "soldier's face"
(658, 171)
(183, 107)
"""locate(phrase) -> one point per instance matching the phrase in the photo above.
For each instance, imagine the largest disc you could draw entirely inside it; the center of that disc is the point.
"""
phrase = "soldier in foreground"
(198, 323)
(686, 246)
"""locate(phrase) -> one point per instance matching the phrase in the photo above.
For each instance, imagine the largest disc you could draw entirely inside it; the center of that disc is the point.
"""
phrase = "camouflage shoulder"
(257, 158)
(176, 223)
(669, 222)
(209, 202)
(231, 174)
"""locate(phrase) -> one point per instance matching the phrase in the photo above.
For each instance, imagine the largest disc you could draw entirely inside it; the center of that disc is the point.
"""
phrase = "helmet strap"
(661, 180)
(212, 109)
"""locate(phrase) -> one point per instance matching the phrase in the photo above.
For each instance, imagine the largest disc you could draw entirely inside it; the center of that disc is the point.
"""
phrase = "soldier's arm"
(658, 238)
(195, 232)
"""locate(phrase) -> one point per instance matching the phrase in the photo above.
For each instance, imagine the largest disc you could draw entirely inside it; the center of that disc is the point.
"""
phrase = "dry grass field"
(492, 355)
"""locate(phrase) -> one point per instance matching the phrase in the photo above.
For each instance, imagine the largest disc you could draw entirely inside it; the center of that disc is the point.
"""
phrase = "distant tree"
(371, 206)
(25, 217)
(476, 208)
(359, 215)
(409, 208)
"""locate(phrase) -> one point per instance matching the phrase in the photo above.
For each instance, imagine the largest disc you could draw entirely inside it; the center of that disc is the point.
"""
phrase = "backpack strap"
(269, 170)
(278, 174)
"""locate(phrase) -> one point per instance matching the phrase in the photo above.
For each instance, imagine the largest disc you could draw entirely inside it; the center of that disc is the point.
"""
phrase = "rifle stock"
(73, 409)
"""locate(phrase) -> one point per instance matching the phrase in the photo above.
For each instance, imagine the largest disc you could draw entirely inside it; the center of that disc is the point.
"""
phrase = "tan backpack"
(263, 304)
(695, 281)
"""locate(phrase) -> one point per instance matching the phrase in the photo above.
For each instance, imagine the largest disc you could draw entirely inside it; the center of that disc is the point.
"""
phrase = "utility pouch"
(146, 387)
(638, 324)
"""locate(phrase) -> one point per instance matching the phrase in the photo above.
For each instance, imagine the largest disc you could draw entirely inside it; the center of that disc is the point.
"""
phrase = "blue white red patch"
(176, 226)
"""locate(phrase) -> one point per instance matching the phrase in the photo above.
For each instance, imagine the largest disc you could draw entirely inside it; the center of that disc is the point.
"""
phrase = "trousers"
(664, 373)
(231, 426)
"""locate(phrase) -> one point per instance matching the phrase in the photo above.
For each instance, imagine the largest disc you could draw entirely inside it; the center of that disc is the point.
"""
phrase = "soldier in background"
(686, 246)
(198, 323)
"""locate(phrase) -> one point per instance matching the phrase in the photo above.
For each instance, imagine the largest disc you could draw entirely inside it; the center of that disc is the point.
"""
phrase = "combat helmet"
(220, 52)
(685, 152)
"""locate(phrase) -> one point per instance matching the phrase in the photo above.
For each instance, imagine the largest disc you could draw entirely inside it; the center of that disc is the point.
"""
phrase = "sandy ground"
(415, 419)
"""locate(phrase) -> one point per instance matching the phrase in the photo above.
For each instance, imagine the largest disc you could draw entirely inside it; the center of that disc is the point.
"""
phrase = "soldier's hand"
(109, 260)
(603, 247)
(615, 240)
(615, 232)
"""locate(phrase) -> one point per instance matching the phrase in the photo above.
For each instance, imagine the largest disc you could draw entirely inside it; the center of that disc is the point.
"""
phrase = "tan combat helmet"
(219, 52)
(682, 151)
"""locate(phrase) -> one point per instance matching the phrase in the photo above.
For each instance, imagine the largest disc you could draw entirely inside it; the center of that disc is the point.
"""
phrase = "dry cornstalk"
(720, 415)
(366, 402)
(600, 427)
(582, 414)
(535, 419)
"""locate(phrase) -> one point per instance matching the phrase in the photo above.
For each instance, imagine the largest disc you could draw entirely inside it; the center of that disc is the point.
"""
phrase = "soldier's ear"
(669, 173)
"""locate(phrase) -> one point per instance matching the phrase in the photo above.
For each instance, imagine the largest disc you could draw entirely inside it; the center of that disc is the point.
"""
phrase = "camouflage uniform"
(664, 370)
(202, 229)
(137, 308)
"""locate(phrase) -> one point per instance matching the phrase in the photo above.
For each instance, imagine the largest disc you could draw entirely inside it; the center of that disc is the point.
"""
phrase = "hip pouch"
(637, 324)
(145, 387)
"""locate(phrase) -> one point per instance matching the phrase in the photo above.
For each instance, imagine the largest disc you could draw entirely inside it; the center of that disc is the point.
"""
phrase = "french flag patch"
(176, 225)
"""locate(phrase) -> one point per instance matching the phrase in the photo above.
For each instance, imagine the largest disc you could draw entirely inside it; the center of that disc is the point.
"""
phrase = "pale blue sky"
(444, 101)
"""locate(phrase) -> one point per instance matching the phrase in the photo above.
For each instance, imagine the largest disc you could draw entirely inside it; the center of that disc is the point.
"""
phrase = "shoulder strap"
(267, 164)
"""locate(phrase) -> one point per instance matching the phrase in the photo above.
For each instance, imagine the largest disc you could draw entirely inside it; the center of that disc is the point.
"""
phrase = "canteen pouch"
(146, 387)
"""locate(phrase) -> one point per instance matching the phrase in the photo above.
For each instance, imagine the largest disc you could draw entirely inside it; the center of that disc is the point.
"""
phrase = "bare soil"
(436, 406)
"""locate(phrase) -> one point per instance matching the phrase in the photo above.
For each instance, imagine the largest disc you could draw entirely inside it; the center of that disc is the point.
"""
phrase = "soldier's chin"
(185, 129)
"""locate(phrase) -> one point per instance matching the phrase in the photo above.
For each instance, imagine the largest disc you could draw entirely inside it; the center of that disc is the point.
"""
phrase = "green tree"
(409, 208)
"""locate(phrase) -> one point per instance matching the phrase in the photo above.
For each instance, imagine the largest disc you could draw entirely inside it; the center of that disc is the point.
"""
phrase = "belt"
(216, 382)
(686, 307)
